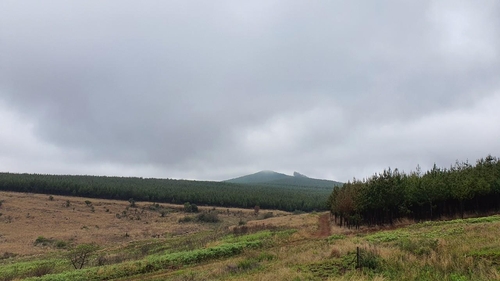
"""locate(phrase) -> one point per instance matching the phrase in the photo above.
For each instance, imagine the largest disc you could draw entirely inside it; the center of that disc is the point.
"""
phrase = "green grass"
(231, 246)
(446, 251)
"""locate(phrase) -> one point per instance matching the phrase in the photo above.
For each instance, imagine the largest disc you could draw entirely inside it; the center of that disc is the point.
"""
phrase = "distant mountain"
(260, 177)
(278, 179)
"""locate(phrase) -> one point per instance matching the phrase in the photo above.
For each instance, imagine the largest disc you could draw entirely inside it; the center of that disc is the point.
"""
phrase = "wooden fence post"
(358, 265)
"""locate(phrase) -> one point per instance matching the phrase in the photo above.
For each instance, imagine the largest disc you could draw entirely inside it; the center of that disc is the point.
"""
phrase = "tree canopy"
(439, 192)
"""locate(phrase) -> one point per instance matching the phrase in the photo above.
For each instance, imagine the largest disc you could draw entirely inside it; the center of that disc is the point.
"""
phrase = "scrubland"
(149, 241)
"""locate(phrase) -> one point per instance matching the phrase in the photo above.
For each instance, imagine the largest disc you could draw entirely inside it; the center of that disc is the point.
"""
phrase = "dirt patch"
(324, 229)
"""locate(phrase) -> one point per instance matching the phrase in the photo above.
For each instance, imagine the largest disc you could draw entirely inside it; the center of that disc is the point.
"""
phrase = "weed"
(388, 236)
(369, 258)
(247, 264)
(334, 237)
(490, 254)
(419, 247)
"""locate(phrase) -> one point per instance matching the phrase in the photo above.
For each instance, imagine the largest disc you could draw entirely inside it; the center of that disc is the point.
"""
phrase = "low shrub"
(369, 258)
(42, 269)
(268, 215)
(212, 217)
(40, 240)
(60, 244)
(190, 208)
(186, 219)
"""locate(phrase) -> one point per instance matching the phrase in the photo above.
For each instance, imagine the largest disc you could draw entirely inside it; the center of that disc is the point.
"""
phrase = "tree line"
(439, 192)
(170, 191)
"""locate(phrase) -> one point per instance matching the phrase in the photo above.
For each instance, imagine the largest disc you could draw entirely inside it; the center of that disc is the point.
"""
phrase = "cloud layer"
(214, 90)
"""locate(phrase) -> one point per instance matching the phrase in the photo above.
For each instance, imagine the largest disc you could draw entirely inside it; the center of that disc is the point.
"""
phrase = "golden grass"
(26, 216)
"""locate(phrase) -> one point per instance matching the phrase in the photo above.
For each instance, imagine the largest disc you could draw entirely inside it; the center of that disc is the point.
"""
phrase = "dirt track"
(324, 225)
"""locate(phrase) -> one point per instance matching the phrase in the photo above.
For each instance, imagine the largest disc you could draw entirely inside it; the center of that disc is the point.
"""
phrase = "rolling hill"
(279, 179)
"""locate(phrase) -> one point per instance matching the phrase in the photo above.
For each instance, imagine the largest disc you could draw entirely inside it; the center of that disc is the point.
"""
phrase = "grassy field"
(162, 242)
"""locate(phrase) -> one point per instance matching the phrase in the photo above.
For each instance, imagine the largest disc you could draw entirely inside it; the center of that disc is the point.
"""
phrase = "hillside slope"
(271, 178)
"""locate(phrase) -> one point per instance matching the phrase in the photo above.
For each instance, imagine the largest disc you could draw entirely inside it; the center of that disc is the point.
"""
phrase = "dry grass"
(26, 216)
(451, 257)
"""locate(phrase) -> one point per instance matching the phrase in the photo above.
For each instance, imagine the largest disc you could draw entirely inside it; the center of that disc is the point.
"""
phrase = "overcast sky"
(212, 90)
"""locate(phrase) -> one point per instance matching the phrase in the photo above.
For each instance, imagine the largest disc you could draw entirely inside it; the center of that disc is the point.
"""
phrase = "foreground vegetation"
(222, 194)
(243, 246)
(439, 192)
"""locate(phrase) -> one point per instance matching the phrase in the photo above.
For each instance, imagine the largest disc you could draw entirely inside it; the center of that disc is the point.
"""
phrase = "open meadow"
(45, 237)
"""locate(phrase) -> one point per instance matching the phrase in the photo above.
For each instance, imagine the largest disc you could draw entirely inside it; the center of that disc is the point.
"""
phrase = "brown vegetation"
(75, 220)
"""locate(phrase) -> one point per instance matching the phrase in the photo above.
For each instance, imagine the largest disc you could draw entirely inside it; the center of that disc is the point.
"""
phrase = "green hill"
(271, 178)
(260, 177)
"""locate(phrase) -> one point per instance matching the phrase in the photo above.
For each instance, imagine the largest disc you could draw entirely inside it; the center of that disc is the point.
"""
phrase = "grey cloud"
(214, 89)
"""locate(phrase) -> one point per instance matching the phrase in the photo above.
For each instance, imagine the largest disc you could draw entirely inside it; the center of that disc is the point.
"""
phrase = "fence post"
(357, 258)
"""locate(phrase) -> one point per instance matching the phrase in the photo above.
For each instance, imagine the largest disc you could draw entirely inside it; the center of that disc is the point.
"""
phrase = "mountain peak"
(272, 178)
(299, 175)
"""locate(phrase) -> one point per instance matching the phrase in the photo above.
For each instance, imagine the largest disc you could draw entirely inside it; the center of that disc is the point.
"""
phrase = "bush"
(194, 208)
(42, 269)
(208, 217)
(60, 244)
(51, 198)
(190, 208)
(132, 203)
(43, 241)
(268, 215)
(369, 259)
(186, 219)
